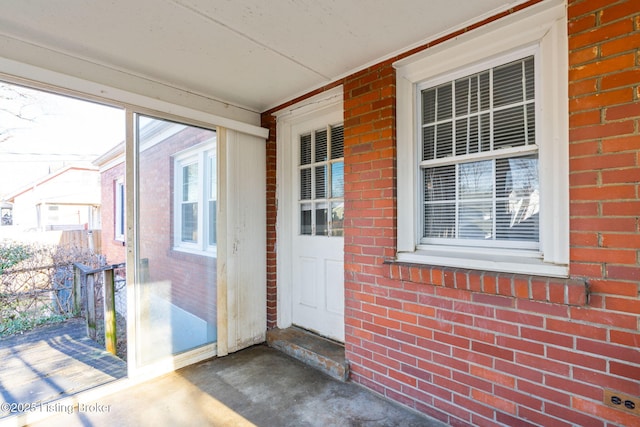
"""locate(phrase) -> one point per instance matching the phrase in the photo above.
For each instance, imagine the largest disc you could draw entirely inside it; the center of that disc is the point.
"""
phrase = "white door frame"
(327, 103)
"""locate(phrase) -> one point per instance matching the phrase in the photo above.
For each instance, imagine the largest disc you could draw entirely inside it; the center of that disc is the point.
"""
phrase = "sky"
(56, 131)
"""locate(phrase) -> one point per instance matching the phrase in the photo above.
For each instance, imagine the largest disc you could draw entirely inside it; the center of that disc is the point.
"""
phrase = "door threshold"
(318, 352)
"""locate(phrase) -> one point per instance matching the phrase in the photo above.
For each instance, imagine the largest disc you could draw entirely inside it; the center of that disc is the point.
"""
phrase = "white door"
(317, 202)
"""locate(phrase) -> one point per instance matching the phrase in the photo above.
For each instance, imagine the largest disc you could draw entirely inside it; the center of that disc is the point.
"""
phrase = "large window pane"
(496, 198)
(176, 285)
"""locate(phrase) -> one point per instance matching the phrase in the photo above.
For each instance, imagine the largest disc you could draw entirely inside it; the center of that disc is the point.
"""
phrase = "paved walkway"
(51, 362)
(259, 386)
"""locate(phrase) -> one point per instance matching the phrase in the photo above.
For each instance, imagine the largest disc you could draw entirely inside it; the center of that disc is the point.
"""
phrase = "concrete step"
(311, 349)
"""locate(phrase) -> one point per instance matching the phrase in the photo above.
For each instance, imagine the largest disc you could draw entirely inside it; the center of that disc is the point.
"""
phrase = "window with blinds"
(479, 166)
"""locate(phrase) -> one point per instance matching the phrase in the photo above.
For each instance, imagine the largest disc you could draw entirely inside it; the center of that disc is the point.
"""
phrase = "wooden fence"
(89, 277)
(86, 239)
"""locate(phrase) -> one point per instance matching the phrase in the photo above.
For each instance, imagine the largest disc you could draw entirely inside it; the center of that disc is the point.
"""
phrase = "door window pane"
(337, 179)
(305, 219)
(321, 181)
(321, 219)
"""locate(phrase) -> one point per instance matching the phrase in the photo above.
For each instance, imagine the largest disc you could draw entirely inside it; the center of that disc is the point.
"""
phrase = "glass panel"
(321, 145)
(476, 220)
(428, 142)
(440, 184)
(476, 191)
(428, 106)
(444, 101)
(175, 289)
(306, 225)
(509, 127)
(337, 142)
(439, 220)
(189, 231)
(119, 211)
(484, 88)
(476, 180)
(213, 197)
(439, 202)
(485, 132)
(321, 182)
(467, 136)
(444, 141)
(531, 124)
(190, 182)
(463, 98)
(305, 150)
(212, 223)
(507, 84)
(305, 184)
(496, 199)
(321, 219)
(213, 178)
(337, 219)
(337, 179)
(518, 204)
(529, 78)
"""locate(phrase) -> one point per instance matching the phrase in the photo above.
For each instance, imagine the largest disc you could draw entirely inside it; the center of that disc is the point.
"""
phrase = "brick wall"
(269, 122)
(192, 277)
(481, 348)
(114, 250)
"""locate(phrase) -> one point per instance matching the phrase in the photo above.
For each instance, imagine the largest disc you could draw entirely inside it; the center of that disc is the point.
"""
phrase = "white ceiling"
(250, 53)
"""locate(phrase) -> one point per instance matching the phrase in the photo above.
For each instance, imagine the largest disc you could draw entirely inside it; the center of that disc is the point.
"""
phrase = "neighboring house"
(6, 213)
(68, 199)
(112, 200)
(186, 155)
(461, 213)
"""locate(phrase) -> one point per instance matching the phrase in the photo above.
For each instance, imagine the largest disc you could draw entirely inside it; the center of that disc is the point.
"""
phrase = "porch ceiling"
(250, 53)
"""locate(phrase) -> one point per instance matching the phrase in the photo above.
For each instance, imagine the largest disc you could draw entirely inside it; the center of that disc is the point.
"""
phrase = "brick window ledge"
(570, 291)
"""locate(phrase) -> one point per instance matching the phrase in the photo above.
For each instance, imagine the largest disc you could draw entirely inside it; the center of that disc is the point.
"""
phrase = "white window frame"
(540, 29)
(119, 213)
(200, 154)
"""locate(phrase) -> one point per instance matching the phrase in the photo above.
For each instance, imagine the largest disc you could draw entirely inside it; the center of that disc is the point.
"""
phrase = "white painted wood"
(241, 241)
(77, 77)
(251, 54)
(540, 29)
(310, 268)
(325, 102)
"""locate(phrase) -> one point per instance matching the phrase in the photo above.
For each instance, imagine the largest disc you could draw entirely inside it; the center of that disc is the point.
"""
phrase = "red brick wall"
(192, 277)
(482, 348)
(114, 250)
(269, 122)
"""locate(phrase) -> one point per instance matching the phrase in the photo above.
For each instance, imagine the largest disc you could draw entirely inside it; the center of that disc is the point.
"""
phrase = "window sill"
(189, 251)
(474, 260)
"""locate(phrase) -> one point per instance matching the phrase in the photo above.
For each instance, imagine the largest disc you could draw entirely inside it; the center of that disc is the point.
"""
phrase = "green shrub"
(12, 253)
(24, 322)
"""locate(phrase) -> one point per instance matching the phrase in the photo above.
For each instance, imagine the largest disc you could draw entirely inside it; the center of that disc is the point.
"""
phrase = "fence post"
(77, 291)
(91, 307)
(110, 337)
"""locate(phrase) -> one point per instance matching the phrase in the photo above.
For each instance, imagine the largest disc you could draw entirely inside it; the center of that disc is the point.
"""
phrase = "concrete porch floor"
(258, 386)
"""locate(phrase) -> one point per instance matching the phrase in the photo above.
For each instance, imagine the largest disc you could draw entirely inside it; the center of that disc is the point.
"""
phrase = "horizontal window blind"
(479, 158)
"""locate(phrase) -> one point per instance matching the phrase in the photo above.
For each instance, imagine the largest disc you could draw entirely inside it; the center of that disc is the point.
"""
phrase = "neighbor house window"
(119, 205)
(483, 148)
(195, 198)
